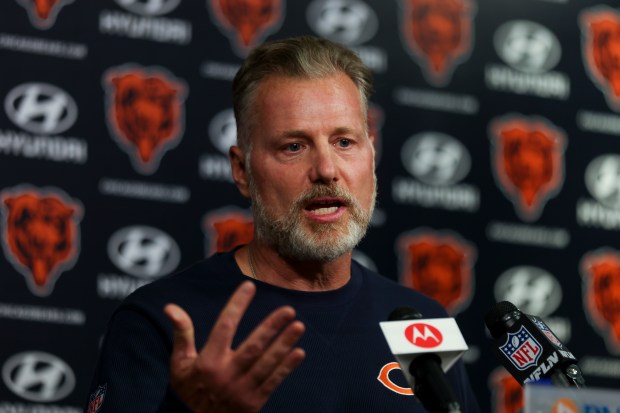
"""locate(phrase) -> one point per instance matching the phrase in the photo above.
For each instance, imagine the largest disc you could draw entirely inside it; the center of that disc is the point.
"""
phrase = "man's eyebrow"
(344, 130)
(298, 133)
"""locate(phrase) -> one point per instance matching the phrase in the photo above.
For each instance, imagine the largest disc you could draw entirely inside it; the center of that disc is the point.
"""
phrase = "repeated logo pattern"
(38, 376)
(41, 108)
(438, 34)
(544, 87)
(227, 228)
(43, 13)
(41, 234)
(600, 28)
(528, 157)
(247, 22)
(601, 291)
(440, 265)
(146, 113)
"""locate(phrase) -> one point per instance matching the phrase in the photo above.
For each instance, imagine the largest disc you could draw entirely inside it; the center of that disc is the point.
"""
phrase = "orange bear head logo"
(600, 29)
(247, 22)
(227, 228)
(438, 34)
(41, 236)
(438, 265)
(528, 162)
(601, 294)
(145, 114)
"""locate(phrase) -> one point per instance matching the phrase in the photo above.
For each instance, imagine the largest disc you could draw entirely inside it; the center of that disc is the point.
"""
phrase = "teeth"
(323, 211)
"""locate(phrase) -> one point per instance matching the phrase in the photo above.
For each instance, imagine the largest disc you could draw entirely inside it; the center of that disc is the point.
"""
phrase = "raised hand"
(222, 379)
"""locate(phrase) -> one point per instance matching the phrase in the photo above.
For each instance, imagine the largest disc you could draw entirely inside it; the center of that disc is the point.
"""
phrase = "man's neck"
(266, 265)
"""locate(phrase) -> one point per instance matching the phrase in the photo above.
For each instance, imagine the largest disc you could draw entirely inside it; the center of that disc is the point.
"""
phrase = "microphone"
(528, 348)
(424, 351)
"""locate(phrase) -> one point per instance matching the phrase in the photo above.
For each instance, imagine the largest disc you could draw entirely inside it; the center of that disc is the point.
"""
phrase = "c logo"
(384, 378)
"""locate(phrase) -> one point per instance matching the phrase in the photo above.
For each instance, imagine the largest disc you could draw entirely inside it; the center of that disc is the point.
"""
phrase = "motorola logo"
(223, 131)
(38, 377)
(435, 158)
(351, 22)
(602, 179)
(143, 251)
(41, 108)
(423, 335)
(149, 7)
(531, 289)
(527, 46)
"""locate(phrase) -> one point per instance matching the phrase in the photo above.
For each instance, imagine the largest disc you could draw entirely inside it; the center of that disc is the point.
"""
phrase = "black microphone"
(431, 386)
(528, 348)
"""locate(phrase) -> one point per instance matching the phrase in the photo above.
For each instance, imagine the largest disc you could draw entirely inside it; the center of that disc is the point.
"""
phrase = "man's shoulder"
(205, 278)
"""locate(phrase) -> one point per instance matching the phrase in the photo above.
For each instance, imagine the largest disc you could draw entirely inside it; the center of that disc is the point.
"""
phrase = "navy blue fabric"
(345, 348)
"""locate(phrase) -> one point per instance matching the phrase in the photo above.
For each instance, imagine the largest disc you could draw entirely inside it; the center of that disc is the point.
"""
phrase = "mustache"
(319, 191)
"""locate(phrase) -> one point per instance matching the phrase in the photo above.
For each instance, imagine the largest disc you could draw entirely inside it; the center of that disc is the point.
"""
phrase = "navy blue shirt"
(345, 348)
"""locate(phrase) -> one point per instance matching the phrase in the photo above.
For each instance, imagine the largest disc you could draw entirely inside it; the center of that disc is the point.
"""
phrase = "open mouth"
(324, 206)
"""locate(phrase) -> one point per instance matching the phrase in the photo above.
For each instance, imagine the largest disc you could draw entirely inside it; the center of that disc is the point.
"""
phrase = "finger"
(183, 346)
(221, 336)
(277, 352)
(261, 337)
(281, 372)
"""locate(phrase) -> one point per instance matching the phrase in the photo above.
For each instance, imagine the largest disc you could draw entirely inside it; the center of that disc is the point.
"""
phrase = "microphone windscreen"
(493, 319)
(405, 313)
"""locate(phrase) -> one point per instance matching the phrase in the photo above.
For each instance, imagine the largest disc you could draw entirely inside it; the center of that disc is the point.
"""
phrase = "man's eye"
(344, 143)
(293, 147)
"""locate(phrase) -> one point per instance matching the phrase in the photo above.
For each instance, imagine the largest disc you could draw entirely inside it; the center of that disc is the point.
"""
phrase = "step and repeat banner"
(498, 154)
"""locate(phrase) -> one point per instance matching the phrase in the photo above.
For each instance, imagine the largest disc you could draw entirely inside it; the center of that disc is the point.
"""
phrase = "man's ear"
(239, 170)
(373, 140)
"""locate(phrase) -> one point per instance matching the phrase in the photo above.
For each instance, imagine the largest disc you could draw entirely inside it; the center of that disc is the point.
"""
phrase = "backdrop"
(498, 166)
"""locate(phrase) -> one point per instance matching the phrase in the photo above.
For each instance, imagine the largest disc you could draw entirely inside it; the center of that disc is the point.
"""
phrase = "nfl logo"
(96, 399)
(522, 349)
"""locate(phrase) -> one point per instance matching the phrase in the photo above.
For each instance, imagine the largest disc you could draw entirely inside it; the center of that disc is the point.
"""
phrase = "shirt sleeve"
(133, 367)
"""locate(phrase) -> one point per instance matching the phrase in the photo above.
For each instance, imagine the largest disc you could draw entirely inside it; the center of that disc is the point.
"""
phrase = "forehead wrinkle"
(295, 133)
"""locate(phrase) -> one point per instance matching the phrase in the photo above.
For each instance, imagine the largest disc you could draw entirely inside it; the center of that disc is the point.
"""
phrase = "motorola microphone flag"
(408, 339)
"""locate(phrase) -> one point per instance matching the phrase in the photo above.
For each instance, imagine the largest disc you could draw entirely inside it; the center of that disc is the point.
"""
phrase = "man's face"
(311, 168)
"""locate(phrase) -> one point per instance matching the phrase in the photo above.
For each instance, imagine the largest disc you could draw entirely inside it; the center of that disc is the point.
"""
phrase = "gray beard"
(321, 242)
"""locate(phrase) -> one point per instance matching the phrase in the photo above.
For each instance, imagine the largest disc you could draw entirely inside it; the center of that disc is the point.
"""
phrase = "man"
(303, 334)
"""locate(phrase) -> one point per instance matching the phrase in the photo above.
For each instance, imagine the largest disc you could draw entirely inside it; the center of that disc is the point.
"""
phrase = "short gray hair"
(303, 57)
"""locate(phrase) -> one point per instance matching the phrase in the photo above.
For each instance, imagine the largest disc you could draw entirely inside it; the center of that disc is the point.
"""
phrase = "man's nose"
(324, 165)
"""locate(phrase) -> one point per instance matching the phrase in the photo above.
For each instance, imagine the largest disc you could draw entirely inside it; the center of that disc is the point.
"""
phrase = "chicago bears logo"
(385, 378)
(227, 228)
(600, 28)
(601, 294)
(507, 392)
(41, 234)
(43, 13)
(247, 22)
(439, 265)
(528, 156)
(145, 113)
(438, 34)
